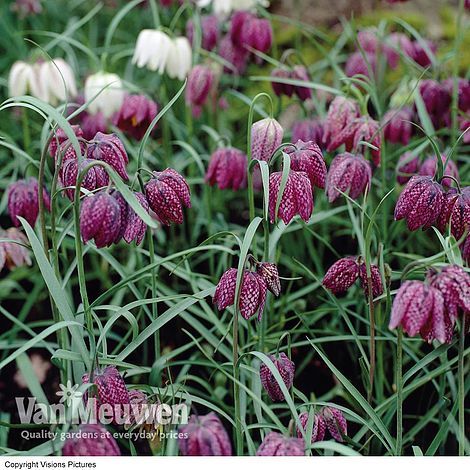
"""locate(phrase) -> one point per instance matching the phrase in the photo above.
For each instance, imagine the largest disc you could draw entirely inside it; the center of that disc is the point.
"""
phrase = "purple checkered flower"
(266, 137)
(60, 142)
(463, 92)
(456, 211)
(376, 280)
(420, 202)
(319, 426)
(201, 81)
(167, 192)
(308, 157)
(13, 255)
(429, 168)
(282, 88)
(246, 30)
(299, 72)
(348, 172)
(398, 127)
(396, 43)
(227, 168)
(335, 422)
(359, 64)
(270, 274)
(436, 99)
(341, 113)
(308, 130)
(420, 54)
(23, 201)
(286, 369)
(235, 55)
(341, 275)
(407, 167)
(209, 31)
(277, 445)
(91, 440)
(206, 437)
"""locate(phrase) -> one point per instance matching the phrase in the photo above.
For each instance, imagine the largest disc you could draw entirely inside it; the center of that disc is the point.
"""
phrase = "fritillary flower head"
(421, 54)
(341, 275)
(429, 168)
(436, 99)
(202, 81)
(335, 422)
(281, 88)
(276, 445)
(228, 169)
(463, 92)
(307, 157)
(308, 130)
(60, 142)
(361, 64)
(270, 274)
(300, 72)
(286, 369)
(234, 55)
(13, 255)
(341, 113)
(91, 440)
(319, 426)
(209, 30)
(266, 137)
(456, 212)
(398, 127)
(407, 167)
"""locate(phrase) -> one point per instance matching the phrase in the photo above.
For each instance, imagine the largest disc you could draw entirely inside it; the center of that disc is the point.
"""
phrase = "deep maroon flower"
(95, 178)
(60, 141)
(237, 24)
(341, 113)
(456, 211)
(308, 157)
(308, 130)
(297, 197)
(270, 274)
(395, 44)
(376, 280)
(420, 202)
(100, 218)
(235, 55)
(91, 440)
(335, 422)
(407, 167)
(167, 192)
(135, 116)
(463, 92)
(209, 31)
(266, 137)
(252, 293)
(341, 275)
(319, 426)
(465, 250)
(419, 308)
(368, 40)
(348, 171)
(398, 126)
(201, 81)
(246, 30)
(436, 99)
(420, 55)
(277, 445)
(286, 369)
(282, 88)
(23, 201)
(92, 124)
(299, 72)
(363, 129)
(109, 149)
(467, 4)
(361, 64)
(13, 255)
(227, 168)
(206, 437)
(429, 168)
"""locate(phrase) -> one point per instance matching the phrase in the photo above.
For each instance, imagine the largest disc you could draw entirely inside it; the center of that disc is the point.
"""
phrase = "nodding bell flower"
(467, 4)
(419, 308)
(465, 250)
(100, 219)
(436, 99)
(152, 50)
(252, 293)
(135, 115)
(179, 60)
(246, 30)
(420, 202)
(13, 255)
(26, 8)
(421, 54)
(108, 148)
(95, 178)
(234, 55)
(308, 157)
(429, 168)
(397, 43)
(106, 91)
(227, 168)
(270, 274)
(92, 124)
(463, 92)
(60, 142)
(277, 445)
(266, 137)
(335, 422)
(297, 197)
(202, 81)
(308, 130)
(91, 440)
(456, 211)
(397, 126)
(167, 192)
(23, 201)
(206, 436)
(299, 72)
(348, 172)
(282, 88)
(51, 81)
(359, 64)
(209, 31)
(138, 411)
(341, 113)
(319, 426)
(407, 166)
(375, 277)
(363, 129)
(286, 369)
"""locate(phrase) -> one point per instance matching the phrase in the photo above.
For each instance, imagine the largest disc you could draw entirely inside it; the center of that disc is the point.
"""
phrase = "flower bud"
(286, 369)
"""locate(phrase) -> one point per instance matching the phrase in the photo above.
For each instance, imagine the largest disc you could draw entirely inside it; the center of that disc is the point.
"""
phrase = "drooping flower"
(407, 166)
(26, 8)
(456, 211)
(398, 126)
(420, 202)
(227, 168)
(429, 168)
(375, 277)
(308, 157)
(152, 50)
(281, 88)
(135, 115)
(341, 113)
(270, 274)
(100, 219)
(341, 275)
(92, 124)
(201, 82)
(286, 369)
(138, 410)
(91, 440)
(297, 197)
(348, 172)
(206, 437)
(179, 60)
(422, 52)
(167, 192)
(13, 255)
(396, 43)
(299, 72)
(465, 250)
(235, 56)
(335, 422)
(319, 426)
(308, 130)
(252, 293)
(419, 308)
(60, 142)
(463, 92)
(209, 31)
(246, 30)
(23, 201)
(275, 444)
(106, 91)
(436, 99)
(359, 64)
(266, 137)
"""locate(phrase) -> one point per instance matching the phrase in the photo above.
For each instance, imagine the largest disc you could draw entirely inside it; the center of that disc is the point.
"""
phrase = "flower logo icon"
(68, 393)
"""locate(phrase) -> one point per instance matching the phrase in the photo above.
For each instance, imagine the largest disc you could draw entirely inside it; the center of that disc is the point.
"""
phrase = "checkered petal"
(341, 275)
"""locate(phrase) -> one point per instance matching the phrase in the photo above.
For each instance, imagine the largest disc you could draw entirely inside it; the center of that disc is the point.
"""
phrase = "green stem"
(26, 133)
(399, 382)
(461, 388)
(236, 388)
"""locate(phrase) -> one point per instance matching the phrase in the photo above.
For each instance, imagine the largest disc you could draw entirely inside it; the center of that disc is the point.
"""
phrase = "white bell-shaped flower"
(57, 80)
(111, 93)
(152, 50)
(179, 60)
